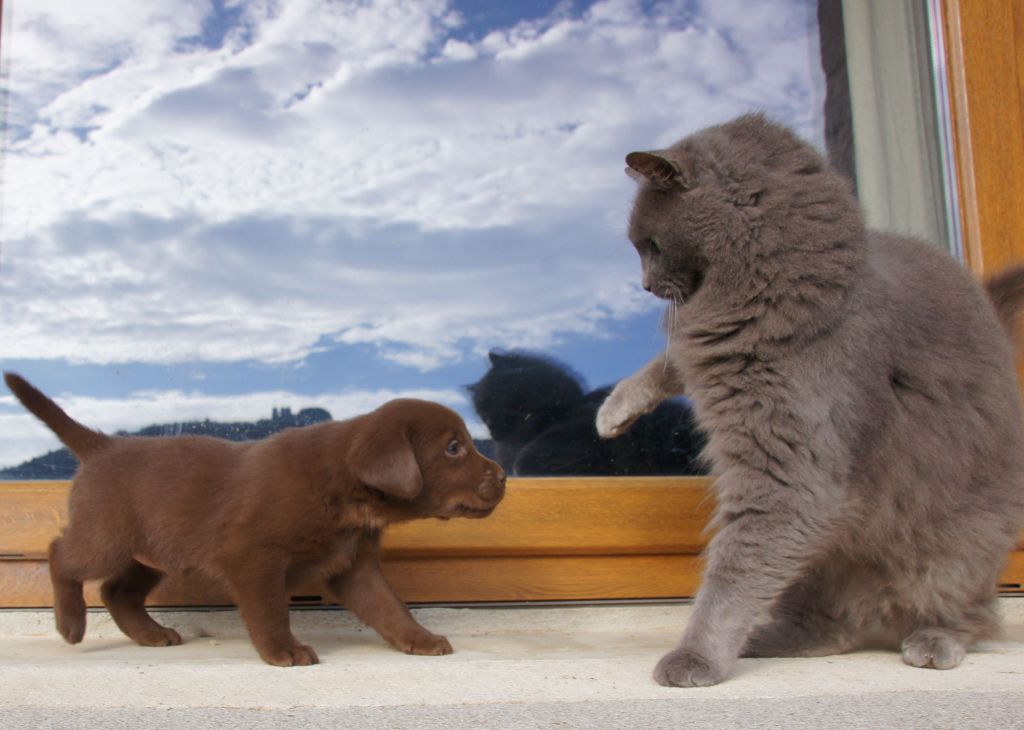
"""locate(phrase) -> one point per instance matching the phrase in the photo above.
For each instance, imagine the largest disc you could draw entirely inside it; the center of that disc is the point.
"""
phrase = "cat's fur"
(541, 421)
(859, 396)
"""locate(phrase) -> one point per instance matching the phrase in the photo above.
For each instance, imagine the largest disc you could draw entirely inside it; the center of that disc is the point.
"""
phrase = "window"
(238, 211)
(243, 212)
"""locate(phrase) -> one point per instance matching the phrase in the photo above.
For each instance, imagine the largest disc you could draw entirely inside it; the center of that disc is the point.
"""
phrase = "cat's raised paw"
(685, 668)
(615, 416)
(933, 649)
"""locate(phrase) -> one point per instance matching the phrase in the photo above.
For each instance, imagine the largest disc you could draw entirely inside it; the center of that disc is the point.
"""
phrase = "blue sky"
(214, 208)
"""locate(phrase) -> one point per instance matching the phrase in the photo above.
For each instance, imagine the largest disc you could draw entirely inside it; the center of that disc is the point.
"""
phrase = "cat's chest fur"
(780, 413)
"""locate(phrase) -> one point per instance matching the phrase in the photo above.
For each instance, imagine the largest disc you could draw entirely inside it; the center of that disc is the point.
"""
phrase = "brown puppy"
(307, 502)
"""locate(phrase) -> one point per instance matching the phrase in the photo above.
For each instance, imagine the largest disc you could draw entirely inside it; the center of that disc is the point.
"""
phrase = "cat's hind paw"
(933, 649)
(685, 668)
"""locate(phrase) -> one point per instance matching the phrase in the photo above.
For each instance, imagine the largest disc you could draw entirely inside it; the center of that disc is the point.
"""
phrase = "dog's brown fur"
(307, 502)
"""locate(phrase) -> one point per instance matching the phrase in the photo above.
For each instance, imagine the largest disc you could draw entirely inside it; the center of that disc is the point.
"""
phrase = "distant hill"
(61, 464)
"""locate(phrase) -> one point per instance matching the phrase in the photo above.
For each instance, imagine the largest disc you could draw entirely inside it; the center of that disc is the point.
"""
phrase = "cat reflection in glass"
(541, 420)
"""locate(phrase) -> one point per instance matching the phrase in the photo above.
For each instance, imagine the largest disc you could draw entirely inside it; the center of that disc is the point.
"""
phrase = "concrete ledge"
(513, 667)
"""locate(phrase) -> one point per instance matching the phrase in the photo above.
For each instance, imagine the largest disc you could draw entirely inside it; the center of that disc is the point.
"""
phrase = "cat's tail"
(1006, 290)
(81, 440)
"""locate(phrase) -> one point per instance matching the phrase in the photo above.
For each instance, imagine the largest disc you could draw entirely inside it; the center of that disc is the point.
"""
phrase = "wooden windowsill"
(550, 540)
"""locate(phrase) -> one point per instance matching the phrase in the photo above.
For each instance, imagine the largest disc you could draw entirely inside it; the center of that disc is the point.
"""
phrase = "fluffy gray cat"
(859, 395)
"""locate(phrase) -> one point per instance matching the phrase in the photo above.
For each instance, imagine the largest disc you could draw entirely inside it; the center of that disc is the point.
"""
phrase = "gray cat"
(859, 395)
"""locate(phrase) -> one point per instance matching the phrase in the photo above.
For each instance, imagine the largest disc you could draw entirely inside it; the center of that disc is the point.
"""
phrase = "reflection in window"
(541, 419)
(216, 210)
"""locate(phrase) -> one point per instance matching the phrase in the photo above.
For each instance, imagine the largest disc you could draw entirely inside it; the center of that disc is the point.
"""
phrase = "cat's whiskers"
(671, 325)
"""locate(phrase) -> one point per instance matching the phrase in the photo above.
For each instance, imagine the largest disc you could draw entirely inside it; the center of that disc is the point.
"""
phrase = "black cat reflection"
(541, 418)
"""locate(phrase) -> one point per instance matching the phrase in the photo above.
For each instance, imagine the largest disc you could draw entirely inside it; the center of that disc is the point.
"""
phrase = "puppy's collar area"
(381, 499)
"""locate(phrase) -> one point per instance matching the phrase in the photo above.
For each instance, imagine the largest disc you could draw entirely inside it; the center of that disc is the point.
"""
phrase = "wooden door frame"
(984, 44)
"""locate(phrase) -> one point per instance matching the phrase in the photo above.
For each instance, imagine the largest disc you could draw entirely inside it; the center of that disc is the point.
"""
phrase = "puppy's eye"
(654, 244)
(454, 448)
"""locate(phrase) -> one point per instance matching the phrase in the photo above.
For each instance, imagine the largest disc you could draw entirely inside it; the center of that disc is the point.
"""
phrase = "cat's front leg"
(638, 394)
(763, 544)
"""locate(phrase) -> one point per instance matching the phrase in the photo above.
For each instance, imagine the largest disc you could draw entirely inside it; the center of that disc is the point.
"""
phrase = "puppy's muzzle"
(488, 493)
(492, 488)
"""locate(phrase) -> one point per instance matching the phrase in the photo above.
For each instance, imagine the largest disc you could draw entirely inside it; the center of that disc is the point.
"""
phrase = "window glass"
(233, 216)
(898, 143)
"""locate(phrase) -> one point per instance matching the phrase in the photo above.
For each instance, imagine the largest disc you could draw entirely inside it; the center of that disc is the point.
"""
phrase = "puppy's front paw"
(685, 668)
(299, 655)
(616, 414)
(160, 636)
(428, 644)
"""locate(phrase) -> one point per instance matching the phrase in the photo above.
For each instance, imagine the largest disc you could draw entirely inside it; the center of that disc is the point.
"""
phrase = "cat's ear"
(635, 175)
(660, 171)
(496, 358)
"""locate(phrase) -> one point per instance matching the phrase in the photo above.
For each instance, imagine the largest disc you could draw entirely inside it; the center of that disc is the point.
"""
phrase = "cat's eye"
(454, 448)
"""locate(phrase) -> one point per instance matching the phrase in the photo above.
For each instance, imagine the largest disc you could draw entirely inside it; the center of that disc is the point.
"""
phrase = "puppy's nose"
(493, 488)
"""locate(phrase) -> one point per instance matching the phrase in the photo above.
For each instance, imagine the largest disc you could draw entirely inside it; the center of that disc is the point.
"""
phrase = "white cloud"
(259, 290)
(385, 130)
(348, 136)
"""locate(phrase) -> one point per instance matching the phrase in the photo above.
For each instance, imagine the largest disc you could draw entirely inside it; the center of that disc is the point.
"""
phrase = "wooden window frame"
(558, 539)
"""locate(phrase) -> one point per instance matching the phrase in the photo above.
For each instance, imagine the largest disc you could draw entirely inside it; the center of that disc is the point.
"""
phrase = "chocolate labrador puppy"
(305, 503)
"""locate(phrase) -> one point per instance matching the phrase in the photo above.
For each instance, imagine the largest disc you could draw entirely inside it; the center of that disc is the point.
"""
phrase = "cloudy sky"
(214, 207)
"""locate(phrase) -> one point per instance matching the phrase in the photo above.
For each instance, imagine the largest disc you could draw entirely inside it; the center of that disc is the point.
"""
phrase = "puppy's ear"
(381, 456)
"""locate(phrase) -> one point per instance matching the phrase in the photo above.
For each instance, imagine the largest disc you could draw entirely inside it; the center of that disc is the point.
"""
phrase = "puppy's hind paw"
(299, 655)
(685, 668)
(72, 629)
(69, 612)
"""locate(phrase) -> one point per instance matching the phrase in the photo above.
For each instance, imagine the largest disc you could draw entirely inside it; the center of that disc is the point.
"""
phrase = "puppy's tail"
(78, 438)
(1006, 290)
